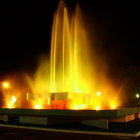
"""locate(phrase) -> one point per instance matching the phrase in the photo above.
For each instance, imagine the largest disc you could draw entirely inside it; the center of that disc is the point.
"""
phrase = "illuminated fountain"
(70, 66)
(72, 81)
(67, 82)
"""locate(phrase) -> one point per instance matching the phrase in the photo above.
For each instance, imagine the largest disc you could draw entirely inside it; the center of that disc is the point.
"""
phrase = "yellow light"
(70, 70)
(97, 108)
(137, 96)
(78, 91)
(49, 101)
(113, 106)
(13, 99)
(5, 84)
(83, 106)
(76, 108)
(98, 93)
(37, 106)
(11, 103)
(10, 106)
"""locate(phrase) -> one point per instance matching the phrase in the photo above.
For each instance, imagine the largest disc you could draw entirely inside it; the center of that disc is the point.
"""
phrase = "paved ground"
(26, 134)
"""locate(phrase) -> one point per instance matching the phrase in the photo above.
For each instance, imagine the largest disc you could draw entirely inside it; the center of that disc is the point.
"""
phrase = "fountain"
(70, 55)
(71, 92)
(73, 76)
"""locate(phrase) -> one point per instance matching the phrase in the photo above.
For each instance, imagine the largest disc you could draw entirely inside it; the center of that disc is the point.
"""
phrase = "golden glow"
(49, 102)
(5, 84)
(137, 96)
(69, 53)
(38, 104)
(113, 106)
(11, 103)
(10, 106)
(98, 108)
(98, 93)
(72, 68)
(83, 106)
(76, 108)
(13, 99)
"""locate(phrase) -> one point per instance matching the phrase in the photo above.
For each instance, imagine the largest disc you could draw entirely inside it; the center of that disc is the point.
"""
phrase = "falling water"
(75, 75)
(70, 56)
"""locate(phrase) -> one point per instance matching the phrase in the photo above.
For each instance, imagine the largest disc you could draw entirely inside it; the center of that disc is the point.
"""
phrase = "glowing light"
(49, 101)
(78, 91)
(13, 99)
(98, 93)
(113, 106)
(71, 71)
(10, 106)
(12, 102)
(97, 108)
(37, 106)
(5, 84)
(83, 106)
(137, 96)
(76, 108)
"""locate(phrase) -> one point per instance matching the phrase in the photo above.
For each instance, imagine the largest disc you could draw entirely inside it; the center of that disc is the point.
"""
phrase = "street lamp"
(137, 96)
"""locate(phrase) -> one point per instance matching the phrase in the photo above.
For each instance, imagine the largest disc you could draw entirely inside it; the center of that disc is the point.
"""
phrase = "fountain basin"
(100, 118)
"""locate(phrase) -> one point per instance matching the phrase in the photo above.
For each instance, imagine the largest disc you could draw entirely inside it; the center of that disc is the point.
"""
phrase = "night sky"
(25, 33)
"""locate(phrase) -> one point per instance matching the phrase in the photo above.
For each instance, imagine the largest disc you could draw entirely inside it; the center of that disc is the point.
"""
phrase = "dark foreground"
(16, 131)
(7, 133)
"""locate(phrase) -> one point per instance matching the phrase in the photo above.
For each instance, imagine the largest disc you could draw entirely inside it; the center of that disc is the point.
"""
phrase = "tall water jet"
(70, 57)
(75, 79)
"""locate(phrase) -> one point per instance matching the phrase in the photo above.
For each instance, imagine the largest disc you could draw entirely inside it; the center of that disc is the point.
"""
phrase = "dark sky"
(25, 32)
